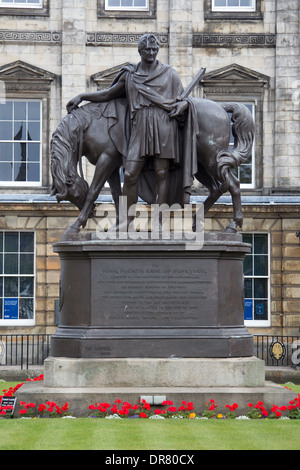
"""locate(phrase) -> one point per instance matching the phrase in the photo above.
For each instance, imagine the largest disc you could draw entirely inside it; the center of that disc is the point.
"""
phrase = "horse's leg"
(234, 189)
(214, 192)
(104, 168)
(115, 188)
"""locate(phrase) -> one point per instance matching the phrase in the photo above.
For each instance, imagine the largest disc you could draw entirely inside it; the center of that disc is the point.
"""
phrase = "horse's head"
(66, 151)
(77, 189)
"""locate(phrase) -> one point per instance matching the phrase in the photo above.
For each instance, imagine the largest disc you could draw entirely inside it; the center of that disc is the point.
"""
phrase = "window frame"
(26, 9)
(18, 184)
(261, 323)
(213, 15)
(238, 9)
(21, 322)
(130, 14)
(18, 4)
(24, 81)
(133, 8)
(224, 85)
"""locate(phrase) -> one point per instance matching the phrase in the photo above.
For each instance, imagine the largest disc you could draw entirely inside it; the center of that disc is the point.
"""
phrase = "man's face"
(148, 53)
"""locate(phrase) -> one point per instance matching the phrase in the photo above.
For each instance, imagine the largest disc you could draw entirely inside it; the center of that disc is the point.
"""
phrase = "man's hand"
(179, 109)
(73, 103)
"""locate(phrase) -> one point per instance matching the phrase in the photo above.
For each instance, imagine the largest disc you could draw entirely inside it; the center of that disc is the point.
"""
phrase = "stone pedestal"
(150, 373)
(152, 299)
(85, 381)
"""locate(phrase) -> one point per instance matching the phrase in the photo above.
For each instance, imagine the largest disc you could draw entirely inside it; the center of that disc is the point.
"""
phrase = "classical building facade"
(52, 50)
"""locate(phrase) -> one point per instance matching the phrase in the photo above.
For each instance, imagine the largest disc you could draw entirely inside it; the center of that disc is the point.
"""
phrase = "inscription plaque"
(156, 293)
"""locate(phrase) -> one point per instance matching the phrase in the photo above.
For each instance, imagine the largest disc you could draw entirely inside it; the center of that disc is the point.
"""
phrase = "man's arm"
(115, 91)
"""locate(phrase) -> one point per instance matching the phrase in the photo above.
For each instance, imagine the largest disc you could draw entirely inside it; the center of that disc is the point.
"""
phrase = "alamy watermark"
(2, 352)
(296, 354)
(154, 222)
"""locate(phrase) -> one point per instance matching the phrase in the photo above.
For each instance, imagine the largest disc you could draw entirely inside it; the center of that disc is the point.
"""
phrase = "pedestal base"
(79, 399)
(151, 372)
(154, 299)
(82, 382)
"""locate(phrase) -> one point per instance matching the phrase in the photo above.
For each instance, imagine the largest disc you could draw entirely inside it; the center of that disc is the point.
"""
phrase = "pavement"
(283, 375)
(16, 374)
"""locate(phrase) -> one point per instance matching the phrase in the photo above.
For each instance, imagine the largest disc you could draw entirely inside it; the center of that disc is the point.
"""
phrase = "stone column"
(287, 101)
(73, 50)
(180, 38)
(73, 55)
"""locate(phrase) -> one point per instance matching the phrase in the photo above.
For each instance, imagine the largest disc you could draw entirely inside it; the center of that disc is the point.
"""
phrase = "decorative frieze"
(31, 36)
(232, 40)
(127, 39)
(108, 39)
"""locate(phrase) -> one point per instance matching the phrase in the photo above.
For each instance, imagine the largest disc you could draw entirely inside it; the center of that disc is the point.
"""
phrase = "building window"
(246, 171)
(21, 3)
(257, 280)
(20, 143)
(127, 5)
(241, 10)
(233, 5)
(127, 9)
(39, 8)
(235, 83)
(17, 276)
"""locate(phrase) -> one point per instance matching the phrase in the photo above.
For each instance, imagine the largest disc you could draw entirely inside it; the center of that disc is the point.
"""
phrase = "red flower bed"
(143, 409)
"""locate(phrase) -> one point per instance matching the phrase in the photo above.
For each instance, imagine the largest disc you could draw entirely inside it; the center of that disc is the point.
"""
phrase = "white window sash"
(262, 323)
(129, 8)
(27, 183)
(31, 321)
(234, 9)
(21, 5)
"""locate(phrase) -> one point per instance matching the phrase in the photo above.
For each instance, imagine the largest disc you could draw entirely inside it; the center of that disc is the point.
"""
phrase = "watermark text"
(154, 222)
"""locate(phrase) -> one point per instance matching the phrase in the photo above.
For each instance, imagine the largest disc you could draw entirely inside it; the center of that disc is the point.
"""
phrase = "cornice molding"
(234, 79)
(104, 78)
(21, 76)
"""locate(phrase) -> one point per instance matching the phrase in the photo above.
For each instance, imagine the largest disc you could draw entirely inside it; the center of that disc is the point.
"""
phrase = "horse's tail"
(243, 130)
(66, 153)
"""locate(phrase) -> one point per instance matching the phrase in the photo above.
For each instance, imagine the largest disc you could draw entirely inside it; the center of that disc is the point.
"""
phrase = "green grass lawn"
(100, 434)
(138, 434)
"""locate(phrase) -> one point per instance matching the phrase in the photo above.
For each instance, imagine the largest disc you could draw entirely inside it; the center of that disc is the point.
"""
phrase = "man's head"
(148, 41)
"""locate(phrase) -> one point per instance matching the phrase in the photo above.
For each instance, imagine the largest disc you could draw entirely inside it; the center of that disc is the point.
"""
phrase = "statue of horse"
(99, 131)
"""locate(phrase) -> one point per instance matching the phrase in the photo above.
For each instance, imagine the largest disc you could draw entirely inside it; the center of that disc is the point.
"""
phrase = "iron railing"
(31, 350)
(24, 350)
(283, 351)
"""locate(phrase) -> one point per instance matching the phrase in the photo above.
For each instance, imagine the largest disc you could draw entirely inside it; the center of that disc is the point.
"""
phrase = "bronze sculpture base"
(152, 299)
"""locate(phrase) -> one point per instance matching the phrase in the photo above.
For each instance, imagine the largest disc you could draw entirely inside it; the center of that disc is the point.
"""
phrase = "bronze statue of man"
(153, 92)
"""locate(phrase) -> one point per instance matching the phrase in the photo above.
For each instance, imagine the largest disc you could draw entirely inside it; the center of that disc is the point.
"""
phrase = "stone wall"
(287, 124)
(49, 221)
(76, 41)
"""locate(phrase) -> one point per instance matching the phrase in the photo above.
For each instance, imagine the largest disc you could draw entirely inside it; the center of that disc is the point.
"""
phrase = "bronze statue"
(152, 89)
(162, 139)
